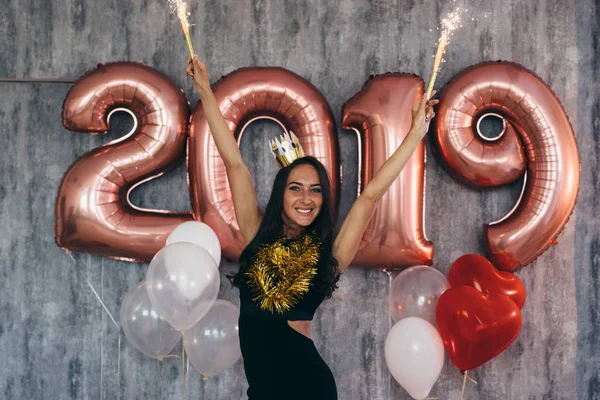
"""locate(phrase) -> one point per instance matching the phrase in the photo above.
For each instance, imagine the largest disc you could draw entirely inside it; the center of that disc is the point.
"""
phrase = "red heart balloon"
(476, 327)
(478, 272)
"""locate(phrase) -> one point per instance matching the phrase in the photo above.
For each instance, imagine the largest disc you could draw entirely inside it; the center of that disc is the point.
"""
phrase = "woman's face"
(302, 197)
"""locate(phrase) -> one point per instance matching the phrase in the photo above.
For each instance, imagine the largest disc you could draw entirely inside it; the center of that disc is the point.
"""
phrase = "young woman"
(293, 258)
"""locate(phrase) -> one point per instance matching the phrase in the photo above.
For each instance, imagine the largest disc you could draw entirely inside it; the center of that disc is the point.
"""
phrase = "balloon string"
(101, 333)
(471, 379)
(96, 294)
(462, 393)
(170, 356)
(102, 303)
(205, 379)
(466, 374)
(163, 331)
(162, 395)
(187, 376)
(389, 274)
(114, 322)
(119, 368)
(182, 366)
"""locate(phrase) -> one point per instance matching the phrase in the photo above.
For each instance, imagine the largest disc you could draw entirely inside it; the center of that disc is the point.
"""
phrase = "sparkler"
(180, 7)
(449, 24)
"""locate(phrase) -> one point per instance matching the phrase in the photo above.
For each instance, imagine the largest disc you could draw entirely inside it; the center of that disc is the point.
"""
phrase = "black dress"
(281, 363)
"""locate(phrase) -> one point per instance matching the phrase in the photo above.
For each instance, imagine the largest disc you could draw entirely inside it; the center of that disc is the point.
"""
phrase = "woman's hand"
(422, 113)
(197, 71)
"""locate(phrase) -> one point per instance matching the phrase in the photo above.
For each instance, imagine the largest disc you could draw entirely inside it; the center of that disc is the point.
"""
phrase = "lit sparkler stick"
(449, 24)
(181, 8)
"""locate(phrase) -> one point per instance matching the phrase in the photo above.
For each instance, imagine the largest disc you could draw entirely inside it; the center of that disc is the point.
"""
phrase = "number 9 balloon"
(537, 130)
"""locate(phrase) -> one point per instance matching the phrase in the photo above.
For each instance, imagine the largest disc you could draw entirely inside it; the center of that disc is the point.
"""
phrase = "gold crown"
(286, 149)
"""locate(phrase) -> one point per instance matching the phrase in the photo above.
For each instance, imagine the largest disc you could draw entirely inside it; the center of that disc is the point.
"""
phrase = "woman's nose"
(307, 196)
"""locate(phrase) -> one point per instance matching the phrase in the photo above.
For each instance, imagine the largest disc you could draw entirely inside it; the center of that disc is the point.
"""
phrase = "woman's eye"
(316, 190)
(294, 188)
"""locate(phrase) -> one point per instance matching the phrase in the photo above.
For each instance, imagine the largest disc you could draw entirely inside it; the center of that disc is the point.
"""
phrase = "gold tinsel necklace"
(283, 271)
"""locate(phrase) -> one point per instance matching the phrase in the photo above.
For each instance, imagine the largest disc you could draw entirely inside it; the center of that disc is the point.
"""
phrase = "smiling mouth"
(304, 211)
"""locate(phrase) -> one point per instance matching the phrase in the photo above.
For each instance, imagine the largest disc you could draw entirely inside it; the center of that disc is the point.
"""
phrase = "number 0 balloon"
(244, 96)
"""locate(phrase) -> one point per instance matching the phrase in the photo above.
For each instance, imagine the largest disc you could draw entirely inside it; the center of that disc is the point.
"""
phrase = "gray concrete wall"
(56, 342)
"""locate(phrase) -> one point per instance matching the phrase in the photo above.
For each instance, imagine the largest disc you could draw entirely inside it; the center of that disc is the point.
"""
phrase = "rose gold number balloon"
(380, 115)
(246, 95)
(93, 212)
(536, 131)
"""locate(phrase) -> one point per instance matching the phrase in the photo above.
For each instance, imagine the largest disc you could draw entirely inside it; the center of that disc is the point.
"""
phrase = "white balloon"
(200, 234)
(213, 344)
(414, 353)
(415, 293)
(144, 328)
(183, 282)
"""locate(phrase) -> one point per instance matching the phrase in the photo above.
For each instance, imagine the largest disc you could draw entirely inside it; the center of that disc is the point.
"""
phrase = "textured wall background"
(56, 341)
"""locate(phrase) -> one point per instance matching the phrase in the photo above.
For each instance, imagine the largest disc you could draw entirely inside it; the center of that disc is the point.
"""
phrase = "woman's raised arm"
(350, 234)
(245, 202)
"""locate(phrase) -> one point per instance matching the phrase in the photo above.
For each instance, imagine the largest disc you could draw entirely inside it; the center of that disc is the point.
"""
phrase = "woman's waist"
(270, 334)
(250, 309)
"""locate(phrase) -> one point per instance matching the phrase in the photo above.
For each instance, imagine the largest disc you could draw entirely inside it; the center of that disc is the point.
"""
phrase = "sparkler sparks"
(180, 7)
(449, 24)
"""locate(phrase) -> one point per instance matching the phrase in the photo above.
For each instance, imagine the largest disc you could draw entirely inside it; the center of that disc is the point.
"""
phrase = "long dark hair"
(272, 226)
